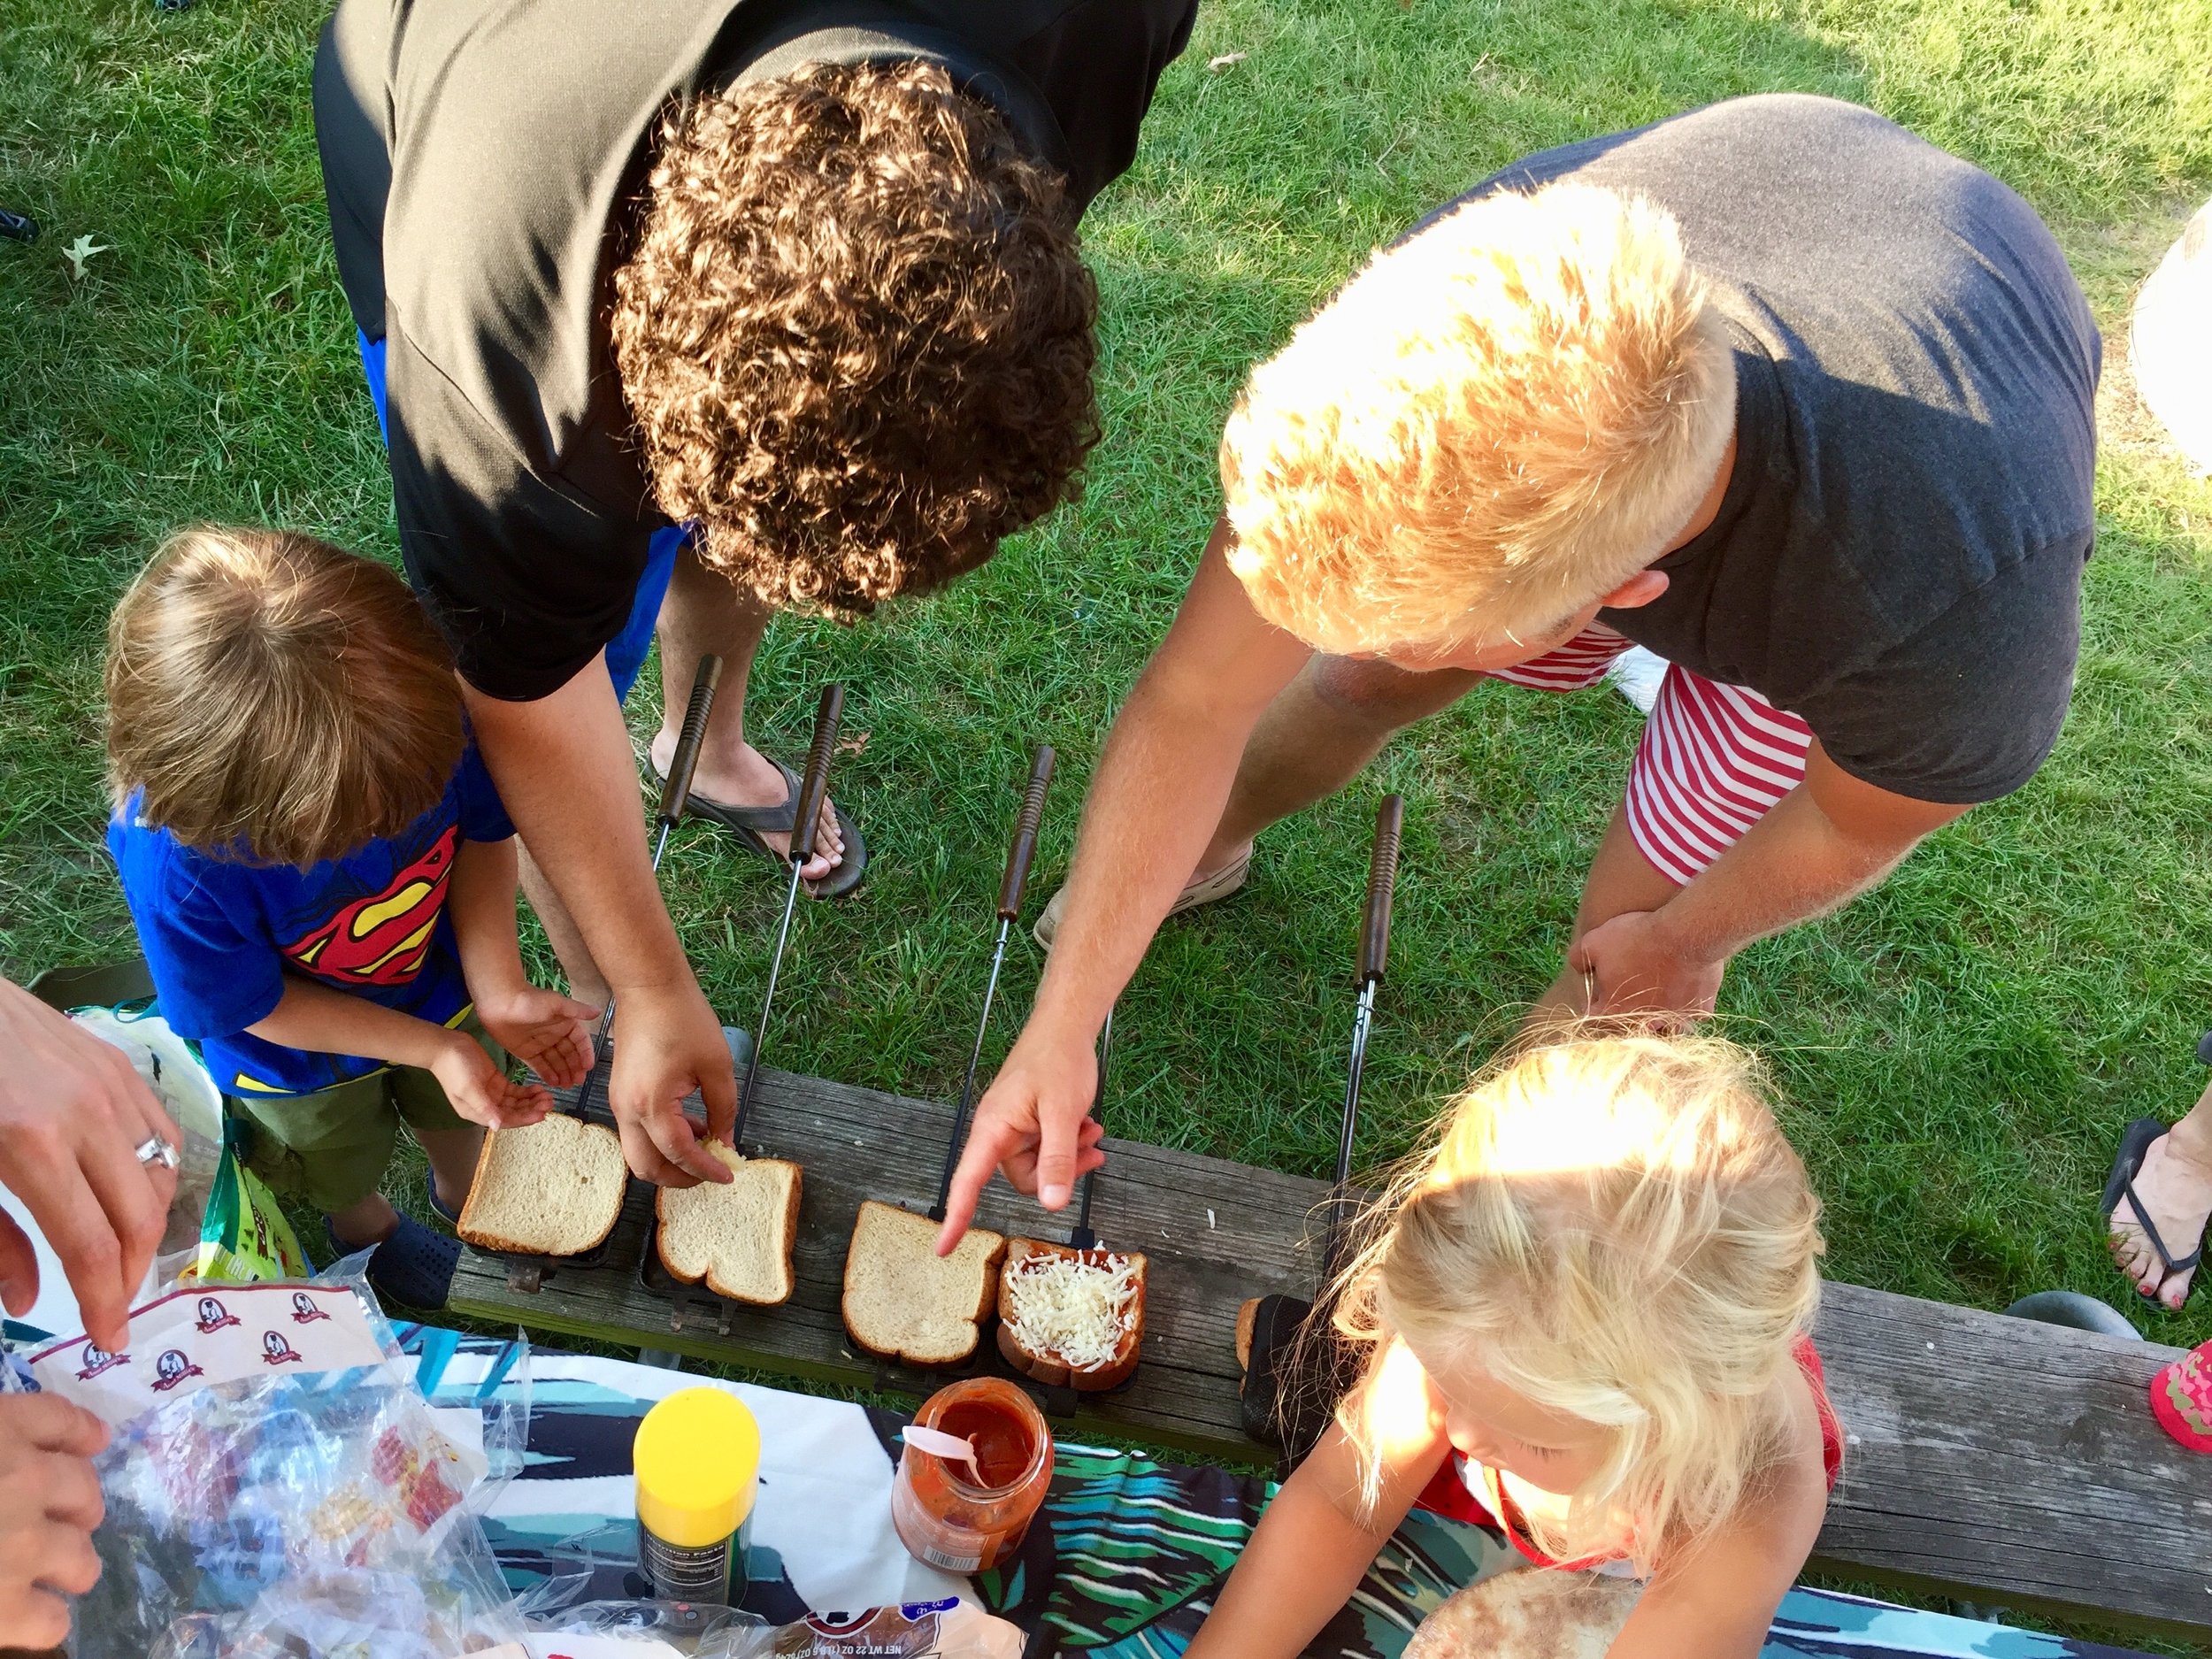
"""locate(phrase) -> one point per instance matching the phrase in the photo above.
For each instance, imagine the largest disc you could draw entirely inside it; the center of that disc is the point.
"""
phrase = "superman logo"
(383, 939)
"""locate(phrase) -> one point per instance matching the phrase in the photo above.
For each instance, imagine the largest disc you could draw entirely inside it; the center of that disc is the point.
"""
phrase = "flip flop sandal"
(1211, 890)
(749, 824)
(414, 1267)
(2127, 1163)
(2181, 1398)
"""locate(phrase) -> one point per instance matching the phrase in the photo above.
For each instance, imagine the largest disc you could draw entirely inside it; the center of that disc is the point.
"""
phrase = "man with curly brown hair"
(681, 311)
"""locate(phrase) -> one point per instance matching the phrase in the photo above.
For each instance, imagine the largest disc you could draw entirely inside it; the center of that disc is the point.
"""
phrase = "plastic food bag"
(224, 1223)
(950, 1629)
(916, 1630)
(244, 1237)
(276, 1485)
(168, 1066)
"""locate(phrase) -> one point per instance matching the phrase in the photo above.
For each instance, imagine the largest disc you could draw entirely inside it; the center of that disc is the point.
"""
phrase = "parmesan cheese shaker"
(698, 1462)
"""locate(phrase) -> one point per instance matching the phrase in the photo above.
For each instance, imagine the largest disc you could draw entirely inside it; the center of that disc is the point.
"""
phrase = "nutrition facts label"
(678, 1574)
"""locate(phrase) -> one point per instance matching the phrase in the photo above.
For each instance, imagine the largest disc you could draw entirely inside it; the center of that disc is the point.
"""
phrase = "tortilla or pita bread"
(1529, 1614)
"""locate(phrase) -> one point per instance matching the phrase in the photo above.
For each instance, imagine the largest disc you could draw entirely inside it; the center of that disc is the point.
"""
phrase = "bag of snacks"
(276, 1485)
(950, 1629)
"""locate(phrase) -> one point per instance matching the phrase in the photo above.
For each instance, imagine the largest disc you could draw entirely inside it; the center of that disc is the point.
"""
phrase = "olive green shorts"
(331, 1147)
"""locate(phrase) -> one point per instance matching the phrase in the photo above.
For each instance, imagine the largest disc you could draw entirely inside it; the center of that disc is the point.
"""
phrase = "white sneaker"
(1636, 673)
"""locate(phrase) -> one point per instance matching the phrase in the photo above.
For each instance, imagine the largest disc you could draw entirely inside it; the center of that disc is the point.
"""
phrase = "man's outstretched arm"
(1152, 804)
(569, 781)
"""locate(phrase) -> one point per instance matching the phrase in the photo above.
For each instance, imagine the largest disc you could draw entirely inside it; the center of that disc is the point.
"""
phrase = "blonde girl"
(1587, 1315)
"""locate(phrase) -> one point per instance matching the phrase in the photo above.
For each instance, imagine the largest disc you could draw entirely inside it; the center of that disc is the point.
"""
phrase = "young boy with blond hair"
(323, 879)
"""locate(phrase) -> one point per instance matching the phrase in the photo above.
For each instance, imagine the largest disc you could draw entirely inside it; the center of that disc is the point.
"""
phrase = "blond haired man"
(1775, 388)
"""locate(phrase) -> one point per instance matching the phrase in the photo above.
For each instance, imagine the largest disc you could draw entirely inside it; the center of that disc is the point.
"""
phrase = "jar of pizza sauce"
(967, 1522)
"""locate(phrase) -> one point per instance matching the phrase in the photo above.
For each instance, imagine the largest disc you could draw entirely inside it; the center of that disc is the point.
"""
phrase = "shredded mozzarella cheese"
(1072, 1310)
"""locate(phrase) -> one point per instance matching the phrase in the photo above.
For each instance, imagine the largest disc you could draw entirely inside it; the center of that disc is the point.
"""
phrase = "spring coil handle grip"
(1382, 876)
(1025, 847)
(814, 783)
(676, 788)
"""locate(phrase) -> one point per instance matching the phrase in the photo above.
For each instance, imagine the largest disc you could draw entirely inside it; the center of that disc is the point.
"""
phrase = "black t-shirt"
(485, 162)
(1898, 558)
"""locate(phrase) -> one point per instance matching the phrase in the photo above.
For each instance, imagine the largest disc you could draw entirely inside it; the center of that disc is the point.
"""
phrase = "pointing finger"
(1056, 1159)
(987, 1145)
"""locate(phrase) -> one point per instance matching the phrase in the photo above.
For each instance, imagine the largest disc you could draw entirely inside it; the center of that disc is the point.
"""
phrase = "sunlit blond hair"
(1493, 424)
(1615, 1228)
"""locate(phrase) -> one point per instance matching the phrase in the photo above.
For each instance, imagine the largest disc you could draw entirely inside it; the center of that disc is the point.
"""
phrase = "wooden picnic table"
(1987, 1457)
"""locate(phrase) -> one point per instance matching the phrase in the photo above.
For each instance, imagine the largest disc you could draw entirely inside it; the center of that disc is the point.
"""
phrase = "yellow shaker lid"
(697, 1458)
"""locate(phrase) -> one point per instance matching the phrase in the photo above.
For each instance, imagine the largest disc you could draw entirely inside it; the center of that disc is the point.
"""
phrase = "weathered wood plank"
(1989, 1457)
(2011, 1462)
(855, 1144)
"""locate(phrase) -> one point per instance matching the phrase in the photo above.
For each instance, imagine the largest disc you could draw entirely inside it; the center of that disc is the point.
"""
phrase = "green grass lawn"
(1958, 1051)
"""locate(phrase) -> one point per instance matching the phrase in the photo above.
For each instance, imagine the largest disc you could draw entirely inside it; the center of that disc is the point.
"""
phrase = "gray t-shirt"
(1897, 559)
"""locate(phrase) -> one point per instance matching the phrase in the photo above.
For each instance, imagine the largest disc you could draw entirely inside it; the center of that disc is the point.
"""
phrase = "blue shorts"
(625, 652)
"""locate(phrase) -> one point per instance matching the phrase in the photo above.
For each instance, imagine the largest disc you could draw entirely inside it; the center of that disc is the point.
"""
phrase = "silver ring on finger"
(155, 1149)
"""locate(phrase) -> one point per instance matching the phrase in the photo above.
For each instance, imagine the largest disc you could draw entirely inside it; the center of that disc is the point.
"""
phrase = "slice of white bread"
(1529, 1613)
(904, 1301)
(1026, 1344)
(553, 1188)
(738, 1236)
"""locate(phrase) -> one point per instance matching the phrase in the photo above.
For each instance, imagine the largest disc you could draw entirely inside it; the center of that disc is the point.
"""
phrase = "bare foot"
(750, 779)
(2175, 1185)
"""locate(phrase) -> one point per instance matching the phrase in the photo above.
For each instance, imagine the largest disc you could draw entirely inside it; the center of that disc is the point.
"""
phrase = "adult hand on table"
(71, 1114)
(669, 1043)
(1034, 1123)
(46, 1527)
(1632, 965)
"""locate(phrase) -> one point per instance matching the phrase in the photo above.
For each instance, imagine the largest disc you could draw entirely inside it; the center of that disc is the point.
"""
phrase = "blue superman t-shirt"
(219, 935)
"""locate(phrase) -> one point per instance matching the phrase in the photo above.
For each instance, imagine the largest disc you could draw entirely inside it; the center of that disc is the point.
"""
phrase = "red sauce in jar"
(948, 1520)
(1004, 1444)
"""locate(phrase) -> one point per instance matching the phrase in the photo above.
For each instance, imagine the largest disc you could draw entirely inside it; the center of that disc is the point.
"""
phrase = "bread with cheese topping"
(553, 1188)
(904, 1301)
(1071, 1319)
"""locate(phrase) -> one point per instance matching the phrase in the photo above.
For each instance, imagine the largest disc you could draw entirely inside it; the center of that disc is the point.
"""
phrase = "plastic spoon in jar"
(952, 1448)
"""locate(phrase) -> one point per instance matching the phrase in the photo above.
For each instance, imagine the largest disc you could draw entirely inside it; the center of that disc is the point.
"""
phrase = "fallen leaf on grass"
(79, 250)
(1226, 61)
(856, 744)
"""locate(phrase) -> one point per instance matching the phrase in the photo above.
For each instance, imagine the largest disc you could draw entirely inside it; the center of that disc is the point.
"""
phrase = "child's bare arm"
(1317, 1539)
(547, 1031)
(1719, 1599)
(323, 1021)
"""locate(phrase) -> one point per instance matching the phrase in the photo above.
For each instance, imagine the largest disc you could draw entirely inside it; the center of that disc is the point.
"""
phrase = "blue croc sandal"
(414, 1267)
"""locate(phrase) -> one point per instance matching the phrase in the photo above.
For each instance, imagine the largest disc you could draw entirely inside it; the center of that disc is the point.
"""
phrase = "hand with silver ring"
(92, 1155)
